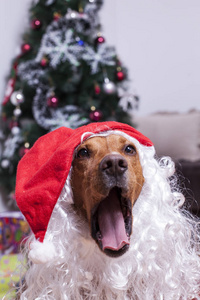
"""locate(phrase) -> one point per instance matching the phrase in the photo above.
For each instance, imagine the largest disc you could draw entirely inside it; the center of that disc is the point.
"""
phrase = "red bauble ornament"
(44, 62)
(56, 16)
(36, 24)
(26, 48)
(120, 76)
(96, 115)
(52, 101)
(97, 89)
(100, 40)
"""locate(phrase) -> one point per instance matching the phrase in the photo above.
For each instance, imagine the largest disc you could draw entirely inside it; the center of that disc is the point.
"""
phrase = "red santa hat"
(43, 171)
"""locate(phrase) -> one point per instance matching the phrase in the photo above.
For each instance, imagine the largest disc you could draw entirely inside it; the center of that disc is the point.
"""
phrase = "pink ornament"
(100, 40)
(97, 89)
(23, 151)
(26, 48)
(36, 24)
(52, 101)
(96, 115)
(44, 62)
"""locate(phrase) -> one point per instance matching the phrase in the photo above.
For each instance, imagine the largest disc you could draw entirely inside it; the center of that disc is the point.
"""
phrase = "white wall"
(12, 21)
(158, 40)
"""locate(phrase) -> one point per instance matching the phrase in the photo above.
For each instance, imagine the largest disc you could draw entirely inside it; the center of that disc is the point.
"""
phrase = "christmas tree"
(65, 75)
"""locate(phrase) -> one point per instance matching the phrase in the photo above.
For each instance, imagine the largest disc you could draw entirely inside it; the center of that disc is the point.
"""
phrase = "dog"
(117, 230)
(113, 177)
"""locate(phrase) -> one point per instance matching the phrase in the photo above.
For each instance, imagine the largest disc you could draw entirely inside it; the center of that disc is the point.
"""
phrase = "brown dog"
(106, 181)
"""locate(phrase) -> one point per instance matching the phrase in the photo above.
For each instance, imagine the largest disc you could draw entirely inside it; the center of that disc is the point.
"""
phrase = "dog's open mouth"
(112, 223)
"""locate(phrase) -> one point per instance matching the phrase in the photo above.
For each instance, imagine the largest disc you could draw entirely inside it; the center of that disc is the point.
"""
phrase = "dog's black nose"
(113, 164)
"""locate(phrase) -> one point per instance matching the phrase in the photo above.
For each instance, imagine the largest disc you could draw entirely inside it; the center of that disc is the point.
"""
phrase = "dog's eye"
(130, 150)
(83, 153)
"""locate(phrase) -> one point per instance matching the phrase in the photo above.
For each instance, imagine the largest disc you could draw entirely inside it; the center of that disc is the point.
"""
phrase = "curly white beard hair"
(162, 262)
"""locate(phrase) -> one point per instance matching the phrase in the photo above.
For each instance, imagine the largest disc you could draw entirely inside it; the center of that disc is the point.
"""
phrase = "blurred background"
(158, 41)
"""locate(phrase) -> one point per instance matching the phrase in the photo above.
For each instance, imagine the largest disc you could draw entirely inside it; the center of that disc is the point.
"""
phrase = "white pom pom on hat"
(41, 253)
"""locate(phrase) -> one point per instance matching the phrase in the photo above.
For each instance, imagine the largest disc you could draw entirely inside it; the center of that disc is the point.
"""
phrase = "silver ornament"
(5, 163)
(17, 98)
(72, 14)
(109, 86)
(17, 112)
(49, 2)
(15, 130)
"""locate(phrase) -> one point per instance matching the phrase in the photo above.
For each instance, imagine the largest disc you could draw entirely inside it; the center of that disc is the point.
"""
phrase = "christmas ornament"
(15, 130)
(56, 16)
(96, 115)
(26, 48)
(17, 112)
(17, 98)
(100, 40)
(27, 145)
(93, 108)
(72, 14)
(49, 2)
(36, 24)
(109, 86)
(80, 42)
(23, 151)
(97, 89)
(44, 62)
(5, 163)
(52, 101)
(120, 76)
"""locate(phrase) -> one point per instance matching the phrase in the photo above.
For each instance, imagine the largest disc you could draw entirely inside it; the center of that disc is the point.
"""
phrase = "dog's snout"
(113, 164)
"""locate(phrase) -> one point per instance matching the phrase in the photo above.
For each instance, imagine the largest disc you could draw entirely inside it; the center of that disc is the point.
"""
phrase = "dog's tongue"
(111, 223)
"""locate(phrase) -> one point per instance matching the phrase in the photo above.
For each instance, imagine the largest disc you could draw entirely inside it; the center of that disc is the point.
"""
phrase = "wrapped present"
(13, 230)
(12, 269)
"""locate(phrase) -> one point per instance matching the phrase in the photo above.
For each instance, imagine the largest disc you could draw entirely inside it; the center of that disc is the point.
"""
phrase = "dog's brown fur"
(90, 184)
